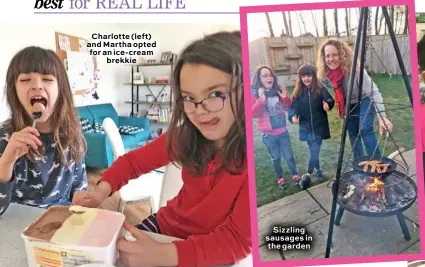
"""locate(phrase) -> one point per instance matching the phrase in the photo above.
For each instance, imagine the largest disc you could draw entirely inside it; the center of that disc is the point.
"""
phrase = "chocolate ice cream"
(45, 227)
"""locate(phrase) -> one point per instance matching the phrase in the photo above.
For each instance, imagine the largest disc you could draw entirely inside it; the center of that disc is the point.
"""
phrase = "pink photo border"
(244, 11)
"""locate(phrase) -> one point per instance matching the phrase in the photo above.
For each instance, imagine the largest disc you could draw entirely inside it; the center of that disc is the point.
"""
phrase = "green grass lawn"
(395, 99)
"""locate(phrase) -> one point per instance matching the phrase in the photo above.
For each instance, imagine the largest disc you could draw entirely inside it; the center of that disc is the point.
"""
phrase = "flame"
(376, 185)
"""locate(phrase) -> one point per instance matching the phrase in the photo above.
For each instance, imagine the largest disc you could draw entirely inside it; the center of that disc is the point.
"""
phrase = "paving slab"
(298, 209)
(269, 255)
(410, 157)
(414, 177)
(412, 213)
(323, 195)
(357, 236)
(415, 248)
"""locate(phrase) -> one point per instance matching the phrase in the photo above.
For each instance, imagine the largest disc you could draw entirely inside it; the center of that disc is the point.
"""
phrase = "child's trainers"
(305, 181)
(319, 176)
(281, 183)
(296, 180)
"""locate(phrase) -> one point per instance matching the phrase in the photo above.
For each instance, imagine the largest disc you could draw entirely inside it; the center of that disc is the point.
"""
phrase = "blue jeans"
(314, 144)
(280, 145)
(362, 120)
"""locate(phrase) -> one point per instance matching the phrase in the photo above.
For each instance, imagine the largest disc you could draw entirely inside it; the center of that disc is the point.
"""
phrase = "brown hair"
(256, 81)
(186, 145)
(345, 56)
(421, 54)
(66, 127)
(316, 86)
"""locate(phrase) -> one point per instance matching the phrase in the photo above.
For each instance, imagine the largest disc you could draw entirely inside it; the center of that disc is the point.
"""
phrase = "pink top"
(262, 116)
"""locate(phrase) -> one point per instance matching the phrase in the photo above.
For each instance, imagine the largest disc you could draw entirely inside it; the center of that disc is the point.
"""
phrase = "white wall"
(111, 88)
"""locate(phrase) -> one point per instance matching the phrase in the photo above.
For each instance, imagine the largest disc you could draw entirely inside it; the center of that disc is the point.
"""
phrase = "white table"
(12, 223)
(18, 217)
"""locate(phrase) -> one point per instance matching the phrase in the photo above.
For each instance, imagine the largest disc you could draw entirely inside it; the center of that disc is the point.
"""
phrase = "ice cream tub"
(59, 238)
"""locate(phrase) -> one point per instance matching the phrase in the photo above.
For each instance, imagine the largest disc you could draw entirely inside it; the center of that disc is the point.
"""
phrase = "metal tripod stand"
(361, 39)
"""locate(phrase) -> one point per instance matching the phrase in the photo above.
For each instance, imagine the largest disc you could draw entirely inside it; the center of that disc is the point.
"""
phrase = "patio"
(356, 235)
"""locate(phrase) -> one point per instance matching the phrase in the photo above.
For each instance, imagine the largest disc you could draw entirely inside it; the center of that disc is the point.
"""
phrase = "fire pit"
(370, 194)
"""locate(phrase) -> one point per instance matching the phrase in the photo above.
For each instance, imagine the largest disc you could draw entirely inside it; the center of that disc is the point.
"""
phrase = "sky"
(257, 22)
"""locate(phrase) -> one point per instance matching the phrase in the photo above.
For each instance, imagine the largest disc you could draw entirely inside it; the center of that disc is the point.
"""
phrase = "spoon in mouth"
(37, 112)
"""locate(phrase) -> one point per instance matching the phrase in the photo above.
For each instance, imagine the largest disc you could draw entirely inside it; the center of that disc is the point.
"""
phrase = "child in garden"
(269, 106)
(310, 103)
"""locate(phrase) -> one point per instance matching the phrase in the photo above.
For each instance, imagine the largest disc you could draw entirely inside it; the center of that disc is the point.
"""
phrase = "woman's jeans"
(314, 144)
(280, 145)
(362, 120)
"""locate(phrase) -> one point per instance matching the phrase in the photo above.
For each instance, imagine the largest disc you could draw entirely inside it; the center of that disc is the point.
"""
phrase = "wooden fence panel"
(285, 55)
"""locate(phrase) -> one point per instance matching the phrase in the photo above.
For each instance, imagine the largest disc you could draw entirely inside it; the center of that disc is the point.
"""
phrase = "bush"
(420, 18)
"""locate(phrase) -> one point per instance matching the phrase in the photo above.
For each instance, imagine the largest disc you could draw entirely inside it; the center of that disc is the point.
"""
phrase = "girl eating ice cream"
(40, 165)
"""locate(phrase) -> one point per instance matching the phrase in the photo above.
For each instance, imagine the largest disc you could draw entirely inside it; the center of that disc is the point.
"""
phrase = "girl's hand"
(19, 144)
(284, 93)
(261, 94)
(325, 106)
(92, 199)
(385, 125)
(295, 119)
(144, 251)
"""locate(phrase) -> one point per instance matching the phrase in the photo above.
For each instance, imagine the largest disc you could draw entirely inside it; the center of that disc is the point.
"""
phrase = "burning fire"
(376, 185)
(372, 198)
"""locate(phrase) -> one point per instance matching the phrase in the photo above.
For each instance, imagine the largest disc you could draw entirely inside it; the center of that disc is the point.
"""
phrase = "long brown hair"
(421, 54)
(66, 127)
(222, 51)
(315, 87)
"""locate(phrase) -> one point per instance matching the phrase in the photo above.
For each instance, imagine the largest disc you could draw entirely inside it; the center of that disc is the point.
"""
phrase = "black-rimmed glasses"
(210, 104)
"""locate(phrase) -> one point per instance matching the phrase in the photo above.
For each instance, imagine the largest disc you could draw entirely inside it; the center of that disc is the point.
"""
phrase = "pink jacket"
(259, 112)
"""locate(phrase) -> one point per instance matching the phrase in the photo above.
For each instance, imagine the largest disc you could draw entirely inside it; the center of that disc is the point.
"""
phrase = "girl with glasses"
(268, 107)
(206, 136)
